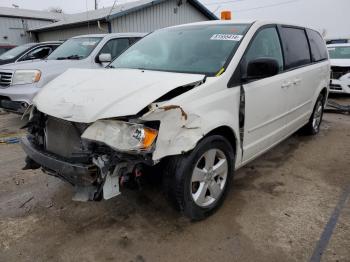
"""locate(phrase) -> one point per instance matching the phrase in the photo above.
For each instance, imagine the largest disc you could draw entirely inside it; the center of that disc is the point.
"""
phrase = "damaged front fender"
(181, 127)
(179, 131)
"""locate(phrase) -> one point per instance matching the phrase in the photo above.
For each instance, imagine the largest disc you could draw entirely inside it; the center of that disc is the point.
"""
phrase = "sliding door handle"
(286, 84)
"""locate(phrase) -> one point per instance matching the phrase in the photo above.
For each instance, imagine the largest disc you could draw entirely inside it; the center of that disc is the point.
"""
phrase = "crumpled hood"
(86, 95)
(340, 62)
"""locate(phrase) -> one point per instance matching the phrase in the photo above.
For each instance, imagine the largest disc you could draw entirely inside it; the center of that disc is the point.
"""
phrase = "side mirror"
(261, 68)
(105, 58)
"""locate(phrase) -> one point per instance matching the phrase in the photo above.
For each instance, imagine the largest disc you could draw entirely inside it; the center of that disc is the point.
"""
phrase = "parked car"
(340, 68)
(29, 51)
(337, 41)
(4, 48)
(20, 82)
(196, 101)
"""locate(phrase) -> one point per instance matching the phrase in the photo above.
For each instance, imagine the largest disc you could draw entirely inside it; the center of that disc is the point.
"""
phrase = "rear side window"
(318, 46)
(295, 47)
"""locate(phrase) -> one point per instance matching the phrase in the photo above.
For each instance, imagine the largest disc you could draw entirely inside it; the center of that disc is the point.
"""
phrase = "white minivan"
(195, 101)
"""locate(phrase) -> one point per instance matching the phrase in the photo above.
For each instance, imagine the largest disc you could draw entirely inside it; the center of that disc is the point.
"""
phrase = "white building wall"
(13, 30)
(148, 19)
(161, 15)
(65, 33)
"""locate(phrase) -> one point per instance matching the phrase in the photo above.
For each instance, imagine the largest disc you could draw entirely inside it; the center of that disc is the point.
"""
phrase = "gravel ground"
(279, 208)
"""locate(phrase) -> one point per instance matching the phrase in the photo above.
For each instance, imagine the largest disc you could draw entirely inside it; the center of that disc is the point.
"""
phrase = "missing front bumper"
(75, 173)
(92, 181)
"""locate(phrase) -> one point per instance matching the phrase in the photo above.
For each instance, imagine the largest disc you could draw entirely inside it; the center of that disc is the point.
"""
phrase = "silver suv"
(20, 82)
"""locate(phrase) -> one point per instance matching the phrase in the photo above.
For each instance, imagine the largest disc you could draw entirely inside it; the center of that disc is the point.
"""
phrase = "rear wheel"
(313, 126)
(198, 181)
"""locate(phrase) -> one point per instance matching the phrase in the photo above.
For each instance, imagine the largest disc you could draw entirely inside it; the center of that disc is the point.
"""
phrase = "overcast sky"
(331, 16)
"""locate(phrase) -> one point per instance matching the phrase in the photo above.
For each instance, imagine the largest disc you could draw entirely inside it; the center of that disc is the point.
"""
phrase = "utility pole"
(96, 5)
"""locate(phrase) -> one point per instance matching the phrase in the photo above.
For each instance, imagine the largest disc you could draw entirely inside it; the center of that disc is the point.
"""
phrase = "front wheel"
(198, 181)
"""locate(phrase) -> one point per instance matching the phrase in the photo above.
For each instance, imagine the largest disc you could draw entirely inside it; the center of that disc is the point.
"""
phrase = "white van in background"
(339, 55)
(21, 81)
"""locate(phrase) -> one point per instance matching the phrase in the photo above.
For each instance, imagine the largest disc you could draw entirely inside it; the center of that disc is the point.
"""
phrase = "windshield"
(75, 48)
(339, 52)
(15, 51)
(4, 49)
(200, 49)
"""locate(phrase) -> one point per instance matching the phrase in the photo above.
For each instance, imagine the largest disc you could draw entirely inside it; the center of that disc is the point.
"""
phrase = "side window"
(115, 47)
(266, 44)
(318, 46)
(295, 46)
(37, 53)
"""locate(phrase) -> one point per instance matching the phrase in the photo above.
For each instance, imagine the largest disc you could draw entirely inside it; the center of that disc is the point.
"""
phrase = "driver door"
(114, 47)
(266, 106)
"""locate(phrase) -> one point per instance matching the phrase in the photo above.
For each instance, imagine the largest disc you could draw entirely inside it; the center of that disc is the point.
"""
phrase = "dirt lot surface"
(281, 207)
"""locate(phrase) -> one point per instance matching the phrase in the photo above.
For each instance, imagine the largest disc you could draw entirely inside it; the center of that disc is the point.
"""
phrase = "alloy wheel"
(209, 177)
(316, 121)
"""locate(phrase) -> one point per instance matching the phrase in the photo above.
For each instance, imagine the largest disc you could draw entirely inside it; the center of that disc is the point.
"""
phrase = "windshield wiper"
(71, 57)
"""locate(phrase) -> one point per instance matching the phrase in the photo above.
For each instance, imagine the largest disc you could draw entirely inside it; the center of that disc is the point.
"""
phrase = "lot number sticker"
(226, 37)
(87, 43)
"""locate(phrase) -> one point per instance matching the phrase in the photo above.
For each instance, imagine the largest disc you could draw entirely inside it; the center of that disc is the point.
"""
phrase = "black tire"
(312, 128)
(178, 172)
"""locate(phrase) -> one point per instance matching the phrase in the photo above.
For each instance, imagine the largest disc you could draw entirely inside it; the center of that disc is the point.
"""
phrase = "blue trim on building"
(203, 9)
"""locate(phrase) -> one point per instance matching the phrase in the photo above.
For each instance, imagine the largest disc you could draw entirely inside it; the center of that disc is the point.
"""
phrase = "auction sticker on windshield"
(229, 37)
(92, 43)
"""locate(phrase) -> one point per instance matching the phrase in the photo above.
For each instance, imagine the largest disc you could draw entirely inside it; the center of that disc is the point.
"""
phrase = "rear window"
(318, 46)
(295, 46)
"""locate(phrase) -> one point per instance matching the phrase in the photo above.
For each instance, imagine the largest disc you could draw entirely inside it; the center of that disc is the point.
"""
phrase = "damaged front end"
(95, 158)
(98, 146)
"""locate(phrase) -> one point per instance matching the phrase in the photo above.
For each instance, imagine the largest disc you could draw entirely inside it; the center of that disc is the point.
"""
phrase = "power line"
(110, 11)
(218, 2)
(267, 6)
(258, 7)
(87, 15)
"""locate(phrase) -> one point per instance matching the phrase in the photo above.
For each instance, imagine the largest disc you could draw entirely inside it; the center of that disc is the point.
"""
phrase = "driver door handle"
(296, 81)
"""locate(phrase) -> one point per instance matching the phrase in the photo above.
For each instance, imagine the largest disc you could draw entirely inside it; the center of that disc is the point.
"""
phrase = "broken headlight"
(122, 136)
